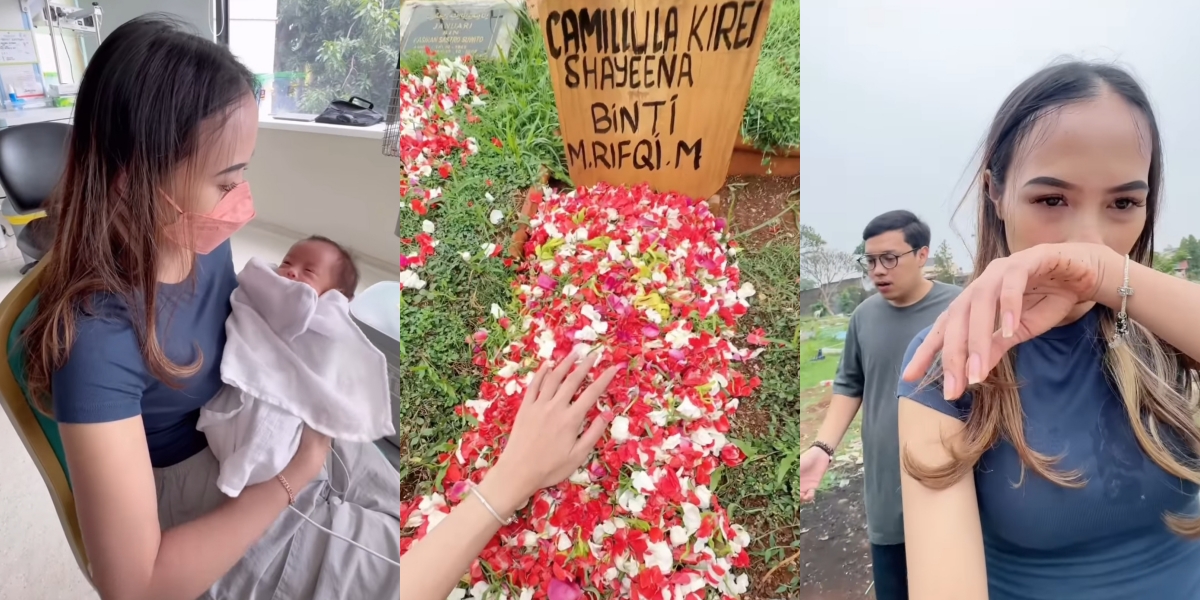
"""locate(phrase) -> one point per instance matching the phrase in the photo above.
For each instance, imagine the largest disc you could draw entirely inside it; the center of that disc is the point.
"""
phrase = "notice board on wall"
(16, 46)
(19, 64)
(652, 92)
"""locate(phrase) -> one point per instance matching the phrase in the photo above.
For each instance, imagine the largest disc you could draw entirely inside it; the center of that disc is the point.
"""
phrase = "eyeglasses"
(889, 261)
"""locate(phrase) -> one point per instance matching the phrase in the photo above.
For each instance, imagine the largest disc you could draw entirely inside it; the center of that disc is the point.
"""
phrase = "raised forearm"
(839, 415)
(432, 567)
(1164, 304)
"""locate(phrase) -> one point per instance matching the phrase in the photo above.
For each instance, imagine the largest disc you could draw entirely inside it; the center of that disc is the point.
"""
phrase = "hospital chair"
(32, 159)
(29, 425)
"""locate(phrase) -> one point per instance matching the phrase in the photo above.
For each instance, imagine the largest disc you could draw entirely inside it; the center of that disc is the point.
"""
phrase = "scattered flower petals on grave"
(428, 113)
(646, 281)
(429, 108)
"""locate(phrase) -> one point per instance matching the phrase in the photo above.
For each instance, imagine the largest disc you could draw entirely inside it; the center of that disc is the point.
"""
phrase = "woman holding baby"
(124, 345)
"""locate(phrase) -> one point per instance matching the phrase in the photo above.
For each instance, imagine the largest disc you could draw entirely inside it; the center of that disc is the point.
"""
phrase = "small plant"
(772, 117)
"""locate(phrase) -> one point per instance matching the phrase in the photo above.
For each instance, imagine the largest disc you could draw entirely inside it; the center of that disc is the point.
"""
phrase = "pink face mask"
(203, 233)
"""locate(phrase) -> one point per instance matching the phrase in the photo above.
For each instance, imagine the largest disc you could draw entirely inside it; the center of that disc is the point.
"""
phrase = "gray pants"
(294, 560)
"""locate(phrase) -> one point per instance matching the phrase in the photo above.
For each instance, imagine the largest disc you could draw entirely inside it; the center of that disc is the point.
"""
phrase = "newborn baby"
(321, 263)
(293, 356)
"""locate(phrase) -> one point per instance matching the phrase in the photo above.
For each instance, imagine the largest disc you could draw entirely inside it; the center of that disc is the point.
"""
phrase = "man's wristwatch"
(826, 448)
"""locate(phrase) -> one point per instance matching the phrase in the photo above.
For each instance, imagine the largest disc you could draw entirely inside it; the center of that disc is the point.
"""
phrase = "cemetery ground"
(835, 556)
(518, 136)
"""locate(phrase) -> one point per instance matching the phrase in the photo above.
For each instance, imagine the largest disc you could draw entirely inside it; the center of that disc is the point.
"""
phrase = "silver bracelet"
(1125, 292)
(488, 506)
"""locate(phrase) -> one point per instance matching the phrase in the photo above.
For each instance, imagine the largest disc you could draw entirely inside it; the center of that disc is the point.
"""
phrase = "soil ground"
(835, 555)
(747, 202)
(817, 400)
(835, 558)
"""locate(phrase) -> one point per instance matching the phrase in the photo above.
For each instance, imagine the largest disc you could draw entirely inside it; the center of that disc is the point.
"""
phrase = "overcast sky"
(896, 96)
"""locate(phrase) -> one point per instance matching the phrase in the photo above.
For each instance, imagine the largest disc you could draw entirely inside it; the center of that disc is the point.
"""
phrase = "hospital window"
(308, 52)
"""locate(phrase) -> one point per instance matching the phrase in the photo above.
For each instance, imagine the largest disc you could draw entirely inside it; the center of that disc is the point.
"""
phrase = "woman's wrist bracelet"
(287, 487)
(1124, 292)
(479, 496)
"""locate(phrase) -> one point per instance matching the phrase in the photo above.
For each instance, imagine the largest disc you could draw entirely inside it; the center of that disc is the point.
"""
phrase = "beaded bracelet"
(287, 487)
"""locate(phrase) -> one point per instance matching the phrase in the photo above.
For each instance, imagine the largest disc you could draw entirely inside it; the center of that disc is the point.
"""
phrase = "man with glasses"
(897, 245)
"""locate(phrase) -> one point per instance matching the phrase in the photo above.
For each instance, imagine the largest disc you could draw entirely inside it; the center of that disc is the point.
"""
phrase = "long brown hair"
(1155, 381)
(138, 119)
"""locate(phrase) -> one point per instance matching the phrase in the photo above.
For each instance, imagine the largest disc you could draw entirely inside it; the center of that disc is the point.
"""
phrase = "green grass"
(824, 336)
(772, 117)
(823, 333)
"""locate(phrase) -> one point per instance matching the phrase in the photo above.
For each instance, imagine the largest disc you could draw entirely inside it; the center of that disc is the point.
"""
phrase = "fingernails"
(974, 367)
(948, 385)
(1006, 328)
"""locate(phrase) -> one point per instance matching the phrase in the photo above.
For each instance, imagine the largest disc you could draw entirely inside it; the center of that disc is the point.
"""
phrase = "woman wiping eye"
(1047, 419)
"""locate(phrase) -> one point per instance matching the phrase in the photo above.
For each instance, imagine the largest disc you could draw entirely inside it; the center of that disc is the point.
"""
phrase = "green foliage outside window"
(335, 49)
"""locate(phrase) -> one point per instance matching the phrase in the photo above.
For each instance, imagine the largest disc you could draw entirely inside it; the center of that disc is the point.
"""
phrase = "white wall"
(338, 186)
(197, 13)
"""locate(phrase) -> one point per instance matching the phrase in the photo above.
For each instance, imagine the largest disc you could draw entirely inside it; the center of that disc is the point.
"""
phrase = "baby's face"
(312, 262)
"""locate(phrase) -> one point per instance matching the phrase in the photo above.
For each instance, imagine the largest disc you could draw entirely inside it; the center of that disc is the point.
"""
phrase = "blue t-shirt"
(1106, 540)
(105, 378)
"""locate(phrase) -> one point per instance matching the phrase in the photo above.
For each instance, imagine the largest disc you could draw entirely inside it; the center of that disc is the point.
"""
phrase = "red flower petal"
(758, 337)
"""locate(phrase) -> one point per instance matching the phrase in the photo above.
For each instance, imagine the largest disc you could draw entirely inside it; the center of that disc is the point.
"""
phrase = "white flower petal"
(658, 554)
(586, 334)
(689, 411)
(409, 280)
(679, 536)
(620, 428)
(746, 291)
(642, 481)
(691, 517)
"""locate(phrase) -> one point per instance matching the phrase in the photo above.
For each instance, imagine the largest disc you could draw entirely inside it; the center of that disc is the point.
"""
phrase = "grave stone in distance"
(453, 28)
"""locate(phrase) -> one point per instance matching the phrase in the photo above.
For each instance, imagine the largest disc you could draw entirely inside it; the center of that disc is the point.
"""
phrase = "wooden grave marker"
(652, 92)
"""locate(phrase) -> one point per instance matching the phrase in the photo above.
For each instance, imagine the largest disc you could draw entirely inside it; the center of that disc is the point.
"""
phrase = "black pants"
(891, 572)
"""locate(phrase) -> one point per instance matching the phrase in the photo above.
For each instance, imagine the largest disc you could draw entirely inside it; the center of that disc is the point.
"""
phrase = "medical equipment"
(87, 19)
(60, 17)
